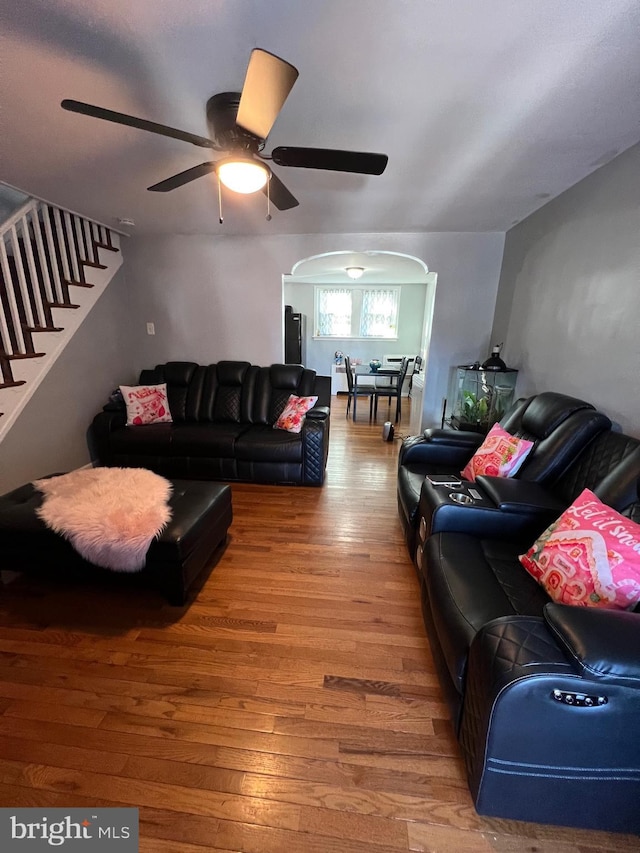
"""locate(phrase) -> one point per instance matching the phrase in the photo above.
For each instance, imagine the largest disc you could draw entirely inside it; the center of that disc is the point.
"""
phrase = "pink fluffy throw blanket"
(109, 515)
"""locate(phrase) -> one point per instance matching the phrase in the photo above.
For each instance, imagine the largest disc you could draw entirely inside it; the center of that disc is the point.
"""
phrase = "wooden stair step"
(19, 356)
(93, 264)
(78, 283)
(105, 246)
(44, 328)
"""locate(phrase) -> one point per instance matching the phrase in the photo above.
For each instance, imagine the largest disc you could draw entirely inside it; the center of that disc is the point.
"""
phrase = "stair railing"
(44, 251)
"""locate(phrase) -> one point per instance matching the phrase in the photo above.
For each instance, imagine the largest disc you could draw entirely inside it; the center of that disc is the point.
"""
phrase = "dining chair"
(363, 390)
(417, 364)
(392, 391)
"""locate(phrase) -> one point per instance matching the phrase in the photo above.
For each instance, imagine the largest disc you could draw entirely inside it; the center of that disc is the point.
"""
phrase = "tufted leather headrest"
(285, 376)
(232, 372)
(547, 411)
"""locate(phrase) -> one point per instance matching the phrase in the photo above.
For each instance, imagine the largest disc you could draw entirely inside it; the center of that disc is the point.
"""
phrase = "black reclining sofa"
(223, 416)
(560, 427)
(544, 698)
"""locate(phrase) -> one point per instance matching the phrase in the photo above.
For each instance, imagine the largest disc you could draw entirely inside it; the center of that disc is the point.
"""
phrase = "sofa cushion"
(469, 582)
(547, 411)
(209, 440)
(230, 392)
(262, 443)
(603, 644)
(152, 439)
(177, 375)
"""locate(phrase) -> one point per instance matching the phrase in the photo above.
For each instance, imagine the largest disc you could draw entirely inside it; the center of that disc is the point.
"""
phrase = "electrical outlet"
(151, 329)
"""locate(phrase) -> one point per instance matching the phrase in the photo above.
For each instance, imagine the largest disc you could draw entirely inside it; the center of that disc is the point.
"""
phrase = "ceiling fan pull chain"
(220, 219)
(268, 201)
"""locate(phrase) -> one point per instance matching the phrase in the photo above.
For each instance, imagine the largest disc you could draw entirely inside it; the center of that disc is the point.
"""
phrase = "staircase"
(54, 265)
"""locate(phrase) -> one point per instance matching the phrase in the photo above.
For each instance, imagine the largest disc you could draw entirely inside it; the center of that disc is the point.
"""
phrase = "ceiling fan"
(239, 123)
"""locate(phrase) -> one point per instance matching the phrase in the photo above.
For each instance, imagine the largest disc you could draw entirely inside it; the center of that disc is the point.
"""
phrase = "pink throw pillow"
(589, 557)
(146, 404)
(500, 455)
(293, 414)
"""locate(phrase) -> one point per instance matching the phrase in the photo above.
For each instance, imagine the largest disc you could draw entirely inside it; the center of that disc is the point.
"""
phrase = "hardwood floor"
(293, 706)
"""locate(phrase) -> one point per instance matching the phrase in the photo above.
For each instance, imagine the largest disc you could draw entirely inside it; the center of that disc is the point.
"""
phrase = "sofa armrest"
(315, 445)
(535, 749)
(318, 413)
(602, 644)
(454, 438)
(437, 449)
(105, 423)
(521, 496)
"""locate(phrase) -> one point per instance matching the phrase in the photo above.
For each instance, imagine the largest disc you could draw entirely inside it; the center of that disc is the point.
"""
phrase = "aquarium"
(478, 397)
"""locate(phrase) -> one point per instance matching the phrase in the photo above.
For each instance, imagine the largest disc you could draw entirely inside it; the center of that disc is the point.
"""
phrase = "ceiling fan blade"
(279, 194)
(133, 121)
(267, 84)
(183, 177)
(360, 162)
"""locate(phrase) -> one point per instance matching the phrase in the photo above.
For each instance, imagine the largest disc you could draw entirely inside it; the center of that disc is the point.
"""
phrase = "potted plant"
(473, 415)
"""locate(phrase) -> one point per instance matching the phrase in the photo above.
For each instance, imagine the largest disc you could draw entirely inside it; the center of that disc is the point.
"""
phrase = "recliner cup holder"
(461, 498)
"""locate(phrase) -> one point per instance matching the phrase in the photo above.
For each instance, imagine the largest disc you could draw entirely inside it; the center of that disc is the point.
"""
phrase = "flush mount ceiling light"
(355, 272)
(242, 175)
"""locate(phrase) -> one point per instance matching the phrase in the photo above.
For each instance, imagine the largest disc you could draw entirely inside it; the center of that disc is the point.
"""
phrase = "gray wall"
(568, 306)
(221, 298)
(50, 433)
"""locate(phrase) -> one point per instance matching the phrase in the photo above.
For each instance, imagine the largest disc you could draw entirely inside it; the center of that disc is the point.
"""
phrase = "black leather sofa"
(560, 427)
(223, 416)
(545, 698)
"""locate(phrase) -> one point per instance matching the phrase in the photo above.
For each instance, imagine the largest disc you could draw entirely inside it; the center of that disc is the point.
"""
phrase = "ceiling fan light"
(241, 175)
(355, 272)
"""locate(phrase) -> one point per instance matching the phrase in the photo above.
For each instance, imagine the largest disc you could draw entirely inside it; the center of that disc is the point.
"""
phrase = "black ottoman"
(201, 516)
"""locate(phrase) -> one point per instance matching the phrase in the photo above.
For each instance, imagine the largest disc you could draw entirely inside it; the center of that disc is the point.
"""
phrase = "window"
(356, 312)
(333, 312)
(379, 317)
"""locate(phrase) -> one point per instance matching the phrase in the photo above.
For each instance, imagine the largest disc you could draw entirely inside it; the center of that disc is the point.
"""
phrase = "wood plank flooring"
(293, 706)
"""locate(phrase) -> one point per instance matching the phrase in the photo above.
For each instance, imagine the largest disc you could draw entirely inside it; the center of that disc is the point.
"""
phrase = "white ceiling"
(486, 109)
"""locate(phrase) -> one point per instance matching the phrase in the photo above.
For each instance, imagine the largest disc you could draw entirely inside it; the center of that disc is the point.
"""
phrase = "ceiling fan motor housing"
(222, 110)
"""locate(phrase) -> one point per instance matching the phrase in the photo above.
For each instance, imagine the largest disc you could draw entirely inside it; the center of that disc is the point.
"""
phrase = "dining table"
(360, 370)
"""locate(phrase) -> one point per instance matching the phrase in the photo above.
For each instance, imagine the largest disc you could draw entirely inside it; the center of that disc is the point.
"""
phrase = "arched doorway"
(401, 277)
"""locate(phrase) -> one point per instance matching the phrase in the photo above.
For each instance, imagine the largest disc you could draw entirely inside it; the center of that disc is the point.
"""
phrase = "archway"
(405, 275)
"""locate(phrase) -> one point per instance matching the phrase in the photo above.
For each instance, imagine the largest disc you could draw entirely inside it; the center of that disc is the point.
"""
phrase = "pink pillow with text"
(146, 404)
(500, 455)
(589, 557)
(293, 414)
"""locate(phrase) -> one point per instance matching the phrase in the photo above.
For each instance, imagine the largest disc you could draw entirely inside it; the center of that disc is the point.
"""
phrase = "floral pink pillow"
(292, 417)
(146, 404)
(589, 557)
(500, 455)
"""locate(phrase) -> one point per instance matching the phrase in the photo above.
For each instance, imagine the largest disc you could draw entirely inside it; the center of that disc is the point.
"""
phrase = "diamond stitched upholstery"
(603, 454)
(223, 425)
(503, 651)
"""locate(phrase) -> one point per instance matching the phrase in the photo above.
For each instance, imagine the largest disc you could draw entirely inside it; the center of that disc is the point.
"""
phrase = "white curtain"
(334, 312)
(379, 313)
